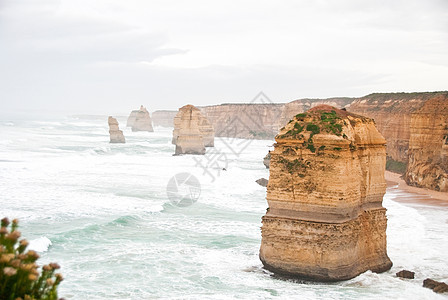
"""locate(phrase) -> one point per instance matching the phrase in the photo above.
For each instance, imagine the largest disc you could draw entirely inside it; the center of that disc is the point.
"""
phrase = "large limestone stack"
(140, 120)
(428, 146)
(325, 219)
(116, 135)
(187, 135)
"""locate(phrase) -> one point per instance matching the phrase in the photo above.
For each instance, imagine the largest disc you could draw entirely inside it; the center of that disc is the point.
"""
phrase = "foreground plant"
(19, 275)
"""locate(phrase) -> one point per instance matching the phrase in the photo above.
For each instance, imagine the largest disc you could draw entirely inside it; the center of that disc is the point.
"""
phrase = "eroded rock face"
(140, 120)
(116, 135)
(428, 146)
(392, 115)
(325, 219)
(191, 132)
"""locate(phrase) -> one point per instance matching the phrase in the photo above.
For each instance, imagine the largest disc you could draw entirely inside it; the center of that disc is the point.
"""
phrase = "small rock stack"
(116, 135)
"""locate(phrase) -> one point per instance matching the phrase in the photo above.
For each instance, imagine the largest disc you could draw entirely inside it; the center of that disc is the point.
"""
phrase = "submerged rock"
(187, 134)
(325, 219)
(436, 286)
(140, 120)
(406, 274)
(116, 135)
(262, 181)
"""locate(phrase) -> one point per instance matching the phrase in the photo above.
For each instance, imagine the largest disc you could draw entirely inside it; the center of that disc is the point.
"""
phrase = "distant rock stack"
(139, 120)
(116, 135)
(131, 118)
(191, 133)
(325, 219)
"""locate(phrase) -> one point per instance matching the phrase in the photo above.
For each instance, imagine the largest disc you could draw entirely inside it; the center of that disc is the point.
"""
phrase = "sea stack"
(131, 118)
(187, 134)
(325, 220)
(204, 125)
(116, 135)
(139, 120)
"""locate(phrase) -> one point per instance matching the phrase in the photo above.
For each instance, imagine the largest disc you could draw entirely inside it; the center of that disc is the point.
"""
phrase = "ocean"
(102, 212)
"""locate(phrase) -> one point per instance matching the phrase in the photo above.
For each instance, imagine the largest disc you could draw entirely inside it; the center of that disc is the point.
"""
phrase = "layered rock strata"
(116, 135)
(392, 114)
(140, 120)
(325, 219)
(187, 134)
(428, 146)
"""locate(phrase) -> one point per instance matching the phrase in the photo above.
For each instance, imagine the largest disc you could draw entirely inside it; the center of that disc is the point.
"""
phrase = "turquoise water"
(101, 211)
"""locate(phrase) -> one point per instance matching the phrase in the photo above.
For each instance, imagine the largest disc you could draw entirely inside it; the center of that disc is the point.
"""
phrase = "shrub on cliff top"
(19, 275)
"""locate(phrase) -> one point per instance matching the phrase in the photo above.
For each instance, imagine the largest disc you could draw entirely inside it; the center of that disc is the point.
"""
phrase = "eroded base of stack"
(325, 251)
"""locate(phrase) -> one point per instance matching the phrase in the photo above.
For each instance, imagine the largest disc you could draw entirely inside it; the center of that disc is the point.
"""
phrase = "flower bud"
(55, 266)
(5, 222)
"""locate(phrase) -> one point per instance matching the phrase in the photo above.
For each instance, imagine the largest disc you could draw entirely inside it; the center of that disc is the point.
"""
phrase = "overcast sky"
(110, 56)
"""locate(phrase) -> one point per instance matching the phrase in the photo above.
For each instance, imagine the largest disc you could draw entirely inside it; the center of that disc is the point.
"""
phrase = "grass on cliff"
(316, 122)
(395, 166)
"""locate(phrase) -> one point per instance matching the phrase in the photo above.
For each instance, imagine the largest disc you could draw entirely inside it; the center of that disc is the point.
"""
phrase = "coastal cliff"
(163, 118)
(295, 107)
(428, 146)
(325, 219)
(246, 121)
(191, 133)
(392, 114)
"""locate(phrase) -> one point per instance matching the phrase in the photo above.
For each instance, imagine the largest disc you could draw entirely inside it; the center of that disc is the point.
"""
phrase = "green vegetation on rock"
(395, 166)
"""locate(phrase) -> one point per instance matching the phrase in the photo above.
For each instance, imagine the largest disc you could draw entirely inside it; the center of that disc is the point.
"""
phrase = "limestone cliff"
(140, 120)
(428, 145)
(392, 115)
(246, 121)
(116, 135)
(299, 106)
(187, 135)
(163, 118)
(325, 219)
(207, 131)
